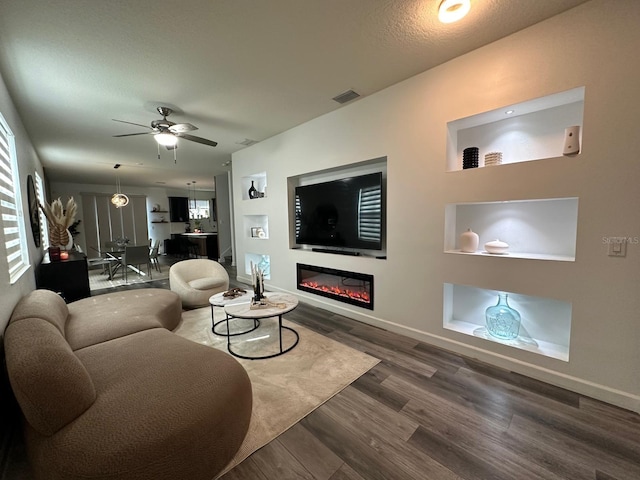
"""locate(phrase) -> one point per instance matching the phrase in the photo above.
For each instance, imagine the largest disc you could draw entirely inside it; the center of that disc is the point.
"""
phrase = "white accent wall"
(592, 46)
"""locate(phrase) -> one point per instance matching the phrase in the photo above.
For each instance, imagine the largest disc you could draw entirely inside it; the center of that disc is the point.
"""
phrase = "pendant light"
(194, 198)
(119, 199)
(188, 201)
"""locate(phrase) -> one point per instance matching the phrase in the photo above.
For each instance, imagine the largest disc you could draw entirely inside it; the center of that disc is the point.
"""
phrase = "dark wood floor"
(424, 413)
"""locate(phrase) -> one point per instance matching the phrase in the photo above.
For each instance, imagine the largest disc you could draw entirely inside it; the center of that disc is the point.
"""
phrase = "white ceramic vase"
(469, 241)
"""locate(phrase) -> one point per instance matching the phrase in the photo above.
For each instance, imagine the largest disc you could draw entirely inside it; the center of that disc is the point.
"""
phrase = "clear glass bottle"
(502, 321)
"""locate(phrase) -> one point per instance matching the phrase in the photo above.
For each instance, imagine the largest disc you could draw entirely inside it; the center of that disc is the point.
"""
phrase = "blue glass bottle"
(502, 321)
(264, 265)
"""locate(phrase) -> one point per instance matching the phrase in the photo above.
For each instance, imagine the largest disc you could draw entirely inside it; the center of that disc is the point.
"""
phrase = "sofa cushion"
(166, 408)
(48, 380)
(43, 304)
(105, 317)
(206, 283)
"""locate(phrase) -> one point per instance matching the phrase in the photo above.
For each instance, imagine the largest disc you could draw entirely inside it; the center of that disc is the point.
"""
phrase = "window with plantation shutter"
(298, 213)
(370, 214)
(11, 206)
(44, 226)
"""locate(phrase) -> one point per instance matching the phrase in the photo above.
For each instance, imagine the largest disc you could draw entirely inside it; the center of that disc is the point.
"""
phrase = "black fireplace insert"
(348, 287)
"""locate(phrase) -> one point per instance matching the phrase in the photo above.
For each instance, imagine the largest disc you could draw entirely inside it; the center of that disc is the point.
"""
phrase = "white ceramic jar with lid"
(496, 247)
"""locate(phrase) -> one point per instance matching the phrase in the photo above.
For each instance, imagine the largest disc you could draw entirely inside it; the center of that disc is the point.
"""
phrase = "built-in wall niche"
(260, 260)
(545, 326)
(259, 183)
(541, 229)
(256, 226)
(531, 130)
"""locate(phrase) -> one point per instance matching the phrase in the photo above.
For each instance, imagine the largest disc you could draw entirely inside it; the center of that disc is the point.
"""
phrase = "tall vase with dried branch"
(59, 220)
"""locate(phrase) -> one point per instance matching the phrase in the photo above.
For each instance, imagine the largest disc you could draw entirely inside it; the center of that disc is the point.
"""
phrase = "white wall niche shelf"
(533, 131)
(259, 182)
(256, 227)
(259, 259)
(538, 229)
(545, 327)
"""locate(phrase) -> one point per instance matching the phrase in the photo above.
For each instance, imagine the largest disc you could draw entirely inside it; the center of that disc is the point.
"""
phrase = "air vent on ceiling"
(247, 141)
(347, 96)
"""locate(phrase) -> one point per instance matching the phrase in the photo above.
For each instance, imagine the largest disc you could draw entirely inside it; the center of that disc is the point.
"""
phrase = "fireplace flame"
(342, 292)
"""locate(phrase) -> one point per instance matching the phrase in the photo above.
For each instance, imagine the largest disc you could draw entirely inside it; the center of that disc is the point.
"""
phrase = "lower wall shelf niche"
(261, 261)
(545, 327)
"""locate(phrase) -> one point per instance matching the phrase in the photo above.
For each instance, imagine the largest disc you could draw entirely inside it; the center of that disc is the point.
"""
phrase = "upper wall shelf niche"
(530, 130)
(259, 182)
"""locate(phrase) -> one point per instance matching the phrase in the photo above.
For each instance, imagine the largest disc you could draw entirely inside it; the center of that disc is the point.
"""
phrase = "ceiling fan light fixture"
(451, 11)
(166, 139)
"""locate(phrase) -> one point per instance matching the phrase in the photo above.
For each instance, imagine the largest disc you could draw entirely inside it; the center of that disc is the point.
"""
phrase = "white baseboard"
(582, 386)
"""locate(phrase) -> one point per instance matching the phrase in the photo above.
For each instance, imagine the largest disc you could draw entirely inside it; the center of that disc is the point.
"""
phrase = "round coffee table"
(219, 300)
(285, 302)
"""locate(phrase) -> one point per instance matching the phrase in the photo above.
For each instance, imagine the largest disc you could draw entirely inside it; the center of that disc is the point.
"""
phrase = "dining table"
(110, 258)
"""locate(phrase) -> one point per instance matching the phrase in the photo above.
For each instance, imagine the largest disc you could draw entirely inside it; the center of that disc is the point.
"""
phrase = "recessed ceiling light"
(453, 10)
(509, 112)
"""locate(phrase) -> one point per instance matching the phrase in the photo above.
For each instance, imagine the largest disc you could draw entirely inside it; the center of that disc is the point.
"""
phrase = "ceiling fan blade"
(182, 127)
(203, 141)
(132, 134)
(131, 123)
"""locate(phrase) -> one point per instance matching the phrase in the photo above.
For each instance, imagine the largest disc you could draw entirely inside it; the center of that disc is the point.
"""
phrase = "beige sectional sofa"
(109, 392)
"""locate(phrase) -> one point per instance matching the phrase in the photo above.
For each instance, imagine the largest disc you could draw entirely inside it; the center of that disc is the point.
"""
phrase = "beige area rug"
(99, 280)
(302, 379)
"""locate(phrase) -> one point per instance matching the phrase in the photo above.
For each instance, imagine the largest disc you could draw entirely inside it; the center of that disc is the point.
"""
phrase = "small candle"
(64, 255)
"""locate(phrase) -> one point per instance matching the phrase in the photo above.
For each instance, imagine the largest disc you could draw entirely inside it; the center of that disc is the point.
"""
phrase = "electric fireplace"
(343, 286)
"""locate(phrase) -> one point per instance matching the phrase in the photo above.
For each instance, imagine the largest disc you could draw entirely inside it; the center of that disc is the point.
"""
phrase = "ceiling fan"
(166, 132)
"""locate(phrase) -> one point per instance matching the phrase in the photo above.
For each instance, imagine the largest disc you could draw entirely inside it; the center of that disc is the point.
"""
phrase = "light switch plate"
(617, 247)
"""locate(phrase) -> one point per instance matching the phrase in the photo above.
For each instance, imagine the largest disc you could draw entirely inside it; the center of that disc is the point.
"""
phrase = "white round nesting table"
(219, 300)
(243, 310)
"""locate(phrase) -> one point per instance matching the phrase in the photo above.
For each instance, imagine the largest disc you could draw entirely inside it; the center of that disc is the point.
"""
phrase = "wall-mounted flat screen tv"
(345, 213)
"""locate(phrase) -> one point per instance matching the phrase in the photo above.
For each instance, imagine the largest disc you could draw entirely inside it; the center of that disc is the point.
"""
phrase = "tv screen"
(344, 213)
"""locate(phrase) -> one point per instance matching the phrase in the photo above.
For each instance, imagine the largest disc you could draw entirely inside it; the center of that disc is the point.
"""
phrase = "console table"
(69, 277)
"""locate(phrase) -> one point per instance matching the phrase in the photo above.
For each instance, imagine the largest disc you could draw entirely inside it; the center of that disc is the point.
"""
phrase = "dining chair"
(110, 260)
(134, 256)
(153, 255)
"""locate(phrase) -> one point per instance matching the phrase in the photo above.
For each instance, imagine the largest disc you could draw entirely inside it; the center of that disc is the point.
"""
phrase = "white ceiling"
(237, 69)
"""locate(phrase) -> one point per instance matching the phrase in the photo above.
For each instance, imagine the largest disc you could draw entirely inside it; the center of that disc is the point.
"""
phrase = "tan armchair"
(196, 280)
